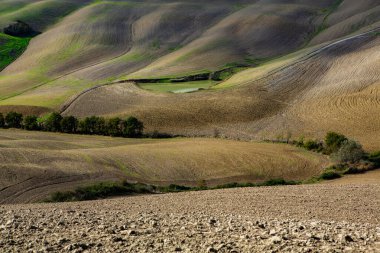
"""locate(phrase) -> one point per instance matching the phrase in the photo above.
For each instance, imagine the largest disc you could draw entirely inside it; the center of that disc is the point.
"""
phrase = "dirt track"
(309, 218)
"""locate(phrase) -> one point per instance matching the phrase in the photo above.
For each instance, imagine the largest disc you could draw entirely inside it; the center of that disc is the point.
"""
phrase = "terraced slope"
(35, 164)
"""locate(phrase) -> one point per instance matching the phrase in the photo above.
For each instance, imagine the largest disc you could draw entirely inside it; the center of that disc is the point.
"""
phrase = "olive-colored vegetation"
(348, 155)
(109, 189)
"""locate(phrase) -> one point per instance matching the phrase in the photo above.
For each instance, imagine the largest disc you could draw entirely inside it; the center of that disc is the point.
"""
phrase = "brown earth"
(307, 218)
(36, 164)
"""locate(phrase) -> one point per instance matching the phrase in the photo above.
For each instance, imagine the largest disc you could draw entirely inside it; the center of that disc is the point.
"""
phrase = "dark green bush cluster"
(54, 122)
(112, 189)
(341, 149)
(349, 155)
(101, 191)
(330, 175)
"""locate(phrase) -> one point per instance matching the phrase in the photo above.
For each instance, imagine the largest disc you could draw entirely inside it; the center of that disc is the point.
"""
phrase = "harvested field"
(307, 218)
(35, 164)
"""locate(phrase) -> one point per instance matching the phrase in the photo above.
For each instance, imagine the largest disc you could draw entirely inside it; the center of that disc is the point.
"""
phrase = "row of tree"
(54, 122)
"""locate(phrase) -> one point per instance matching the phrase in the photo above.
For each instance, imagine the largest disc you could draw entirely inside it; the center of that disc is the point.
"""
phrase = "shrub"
(158, 135)
(278, 181)
(349, 152)
(330, 175)
(30, 123)
(20, 29)
(51, 122)
(174, 188)
(69, 124)
(114, 126)
(13, 120)
(132, 127)
(2, 121)
(313, 145)
(300, 142)
(93, 125)
(375, 158)
(334, 141)
(100, 190)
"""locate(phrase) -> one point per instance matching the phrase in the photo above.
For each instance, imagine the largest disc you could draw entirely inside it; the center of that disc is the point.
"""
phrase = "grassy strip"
(112, 189)
(11, 48)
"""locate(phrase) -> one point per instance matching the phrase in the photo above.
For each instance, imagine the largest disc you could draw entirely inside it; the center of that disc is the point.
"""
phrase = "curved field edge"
(37, 164)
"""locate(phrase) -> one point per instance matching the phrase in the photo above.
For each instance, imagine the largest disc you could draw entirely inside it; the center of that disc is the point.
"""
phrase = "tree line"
(54, 122)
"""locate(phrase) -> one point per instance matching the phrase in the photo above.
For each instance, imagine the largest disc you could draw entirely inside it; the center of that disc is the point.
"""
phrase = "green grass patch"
(11, 48)
(177, 87)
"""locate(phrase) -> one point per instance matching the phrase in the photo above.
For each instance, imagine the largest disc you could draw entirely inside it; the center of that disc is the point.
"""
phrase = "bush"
(279, 181)
(375, 158)
(30, 123)
(330, 175)
(69, 124)
(174, 188)
(132, 127)
(93, 125)
(349, 152)
(334, 141)
(313, 145)
(13, 120)
(51, 122)
(20, 29)
(100, 190)
(2, 121)
(114, 126)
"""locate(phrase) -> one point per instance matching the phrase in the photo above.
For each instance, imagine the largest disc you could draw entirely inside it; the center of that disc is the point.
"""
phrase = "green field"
(11, 48)
(181, 87)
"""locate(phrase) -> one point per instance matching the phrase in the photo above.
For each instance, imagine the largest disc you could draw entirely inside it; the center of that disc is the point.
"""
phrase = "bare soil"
(308, 218)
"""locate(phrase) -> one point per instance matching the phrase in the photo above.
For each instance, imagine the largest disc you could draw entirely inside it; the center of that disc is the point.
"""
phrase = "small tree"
(288, 136)
(132, 127)
(13, 120)
(313, 145)
(114, 127)
(93, 125)
(30, 123)
(2, 121)
(51, 122)
(334, 141)
(69, 124)
(349, 152)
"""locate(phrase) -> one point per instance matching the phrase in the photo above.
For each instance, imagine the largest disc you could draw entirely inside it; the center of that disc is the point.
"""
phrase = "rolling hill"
(303, 67)
(36, 164)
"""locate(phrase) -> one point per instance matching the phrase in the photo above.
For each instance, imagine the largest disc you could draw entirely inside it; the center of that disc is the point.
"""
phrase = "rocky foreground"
(310, 218)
